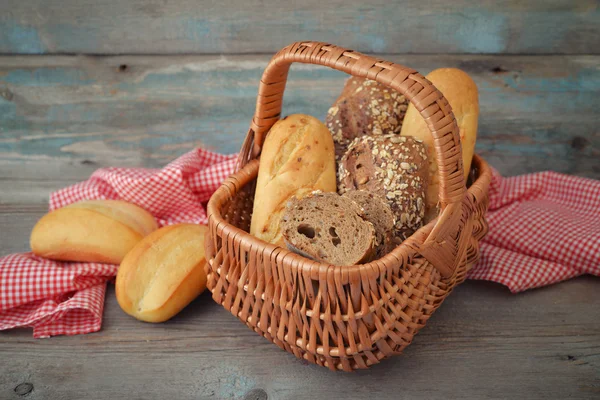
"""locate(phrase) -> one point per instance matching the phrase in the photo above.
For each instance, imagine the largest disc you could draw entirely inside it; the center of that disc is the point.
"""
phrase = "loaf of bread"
(297, 158)
(163, 273)
(379, 213)
(461, 92)
(328, 228)
(92, 230)
(393, 167)
(365, 107)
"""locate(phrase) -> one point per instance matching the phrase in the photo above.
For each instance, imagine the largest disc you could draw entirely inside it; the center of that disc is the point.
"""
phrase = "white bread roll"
(297, 158)
(163, 273)
(461, 92)
(91, 231)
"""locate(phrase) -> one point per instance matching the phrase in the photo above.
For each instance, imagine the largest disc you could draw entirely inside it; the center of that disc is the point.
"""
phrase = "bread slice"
(329, 228)
(379, 213)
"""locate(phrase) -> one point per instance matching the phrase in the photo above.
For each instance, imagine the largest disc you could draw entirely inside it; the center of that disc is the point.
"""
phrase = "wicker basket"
(345, 317)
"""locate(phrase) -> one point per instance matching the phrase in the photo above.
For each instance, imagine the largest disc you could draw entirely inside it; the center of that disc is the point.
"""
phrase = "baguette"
(461, 92)
(297, 158)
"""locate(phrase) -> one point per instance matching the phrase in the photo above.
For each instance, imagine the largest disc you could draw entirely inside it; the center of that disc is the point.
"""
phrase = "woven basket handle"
(419, 91)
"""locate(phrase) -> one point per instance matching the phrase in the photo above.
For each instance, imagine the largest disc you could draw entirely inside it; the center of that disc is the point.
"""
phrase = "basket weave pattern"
(346, 317)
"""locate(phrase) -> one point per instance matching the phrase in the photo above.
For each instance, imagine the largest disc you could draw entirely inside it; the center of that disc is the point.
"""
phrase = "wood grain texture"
(537, 112)
(483, 343)
(265, 26)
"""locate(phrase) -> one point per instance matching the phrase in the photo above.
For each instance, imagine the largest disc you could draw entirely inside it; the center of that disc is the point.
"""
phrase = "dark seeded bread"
(328, 228)
(379, 213)
(365, 107)
(396, 168)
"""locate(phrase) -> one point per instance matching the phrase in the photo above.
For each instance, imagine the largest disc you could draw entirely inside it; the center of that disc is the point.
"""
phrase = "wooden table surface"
(87, 84)
(483, 342)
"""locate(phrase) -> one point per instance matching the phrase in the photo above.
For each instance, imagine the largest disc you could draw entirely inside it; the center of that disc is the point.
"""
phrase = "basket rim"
(318, 270)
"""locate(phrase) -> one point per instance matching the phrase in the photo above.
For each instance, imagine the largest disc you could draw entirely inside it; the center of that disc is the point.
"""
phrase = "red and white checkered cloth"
(57, 298)
(544, 228)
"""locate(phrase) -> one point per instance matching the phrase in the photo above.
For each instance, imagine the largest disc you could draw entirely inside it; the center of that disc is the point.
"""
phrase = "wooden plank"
(258, 26)
(483, 343)
(537, 112)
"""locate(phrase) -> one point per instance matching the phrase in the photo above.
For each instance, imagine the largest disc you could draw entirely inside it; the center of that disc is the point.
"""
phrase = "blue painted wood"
(259, 26)
(536, 112)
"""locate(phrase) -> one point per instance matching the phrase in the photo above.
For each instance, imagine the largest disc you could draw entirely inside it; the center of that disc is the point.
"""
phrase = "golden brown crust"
(163, 273)
(297, 158)
(461, 92)
(91, 231)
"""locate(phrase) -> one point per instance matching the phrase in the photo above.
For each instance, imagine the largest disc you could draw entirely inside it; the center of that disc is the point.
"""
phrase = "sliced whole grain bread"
(379, 213)
(329, 228)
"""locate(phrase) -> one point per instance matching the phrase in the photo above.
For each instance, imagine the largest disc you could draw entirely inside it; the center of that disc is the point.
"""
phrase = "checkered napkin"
(544, 228)
(58, 298)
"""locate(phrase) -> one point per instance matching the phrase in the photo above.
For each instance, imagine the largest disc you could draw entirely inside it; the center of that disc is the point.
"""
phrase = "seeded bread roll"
(297, 158)
(395, 167)
(378, 212)
(328, 228)
(365, 107)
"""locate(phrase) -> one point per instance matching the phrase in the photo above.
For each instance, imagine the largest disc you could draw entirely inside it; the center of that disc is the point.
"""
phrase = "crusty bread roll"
(461, 92)
(395, 168)
(92, 231)
(163, 273)
(297, 158)
(365, 107)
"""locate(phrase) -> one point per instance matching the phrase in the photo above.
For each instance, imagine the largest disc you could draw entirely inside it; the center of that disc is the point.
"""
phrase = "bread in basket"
(345, 317)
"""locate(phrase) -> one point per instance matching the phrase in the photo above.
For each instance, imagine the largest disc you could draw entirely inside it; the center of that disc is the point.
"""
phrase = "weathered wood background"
(264, 26)
(92, 83)
(537, 111)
